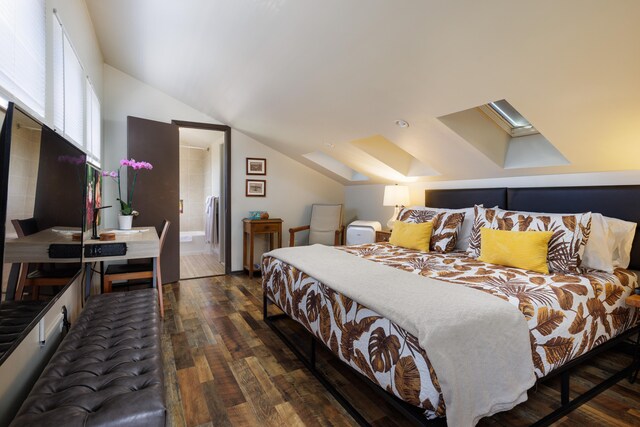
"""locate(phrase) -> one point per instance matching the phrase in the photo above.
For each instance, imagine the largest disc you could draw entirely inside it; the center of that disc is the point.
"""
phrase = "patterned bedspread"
(567, 315)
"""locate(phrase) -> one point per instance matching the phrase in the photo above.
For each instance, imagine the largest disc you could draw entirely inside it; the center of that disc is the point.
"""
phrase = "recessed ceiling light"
(330, 145)
(402, 123)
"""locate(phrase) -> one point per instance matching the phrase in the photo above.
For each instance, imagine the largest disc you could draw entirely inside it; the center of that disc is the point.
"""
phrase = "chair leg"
(35, 291)
(159, 285)
(107, 285)
(21, 280)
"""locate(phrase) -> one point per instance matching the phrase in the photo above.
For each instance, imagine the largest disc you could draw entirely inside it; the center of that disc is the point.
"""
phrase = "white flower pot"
(124, 222)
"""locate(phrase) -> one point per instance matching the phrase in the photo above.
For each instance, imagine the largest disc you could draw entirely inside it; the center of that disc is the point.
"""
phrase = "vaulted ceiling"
(318, 79)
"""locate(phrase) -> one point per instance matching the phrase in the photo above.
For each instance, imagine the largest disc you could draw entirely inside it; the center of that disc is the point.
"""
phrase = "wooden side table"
(633, 300)
(251, 227)
(383, 236)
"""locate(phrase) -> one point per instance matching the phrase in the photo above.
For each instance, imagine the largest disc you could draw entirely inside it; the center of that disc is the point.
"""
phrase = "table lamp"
(395, 195)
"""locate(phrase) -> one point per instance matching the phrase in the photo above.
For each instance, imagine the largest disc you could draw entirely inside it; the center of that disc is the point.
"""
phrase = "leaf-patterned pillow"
(483, 219)
(446, 225)
(570, 235)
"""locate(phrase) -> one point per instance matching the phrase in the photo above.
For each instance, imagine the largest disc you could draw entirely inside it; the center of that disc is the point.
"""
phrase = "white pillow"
(609, 245)
(623, 232)
(598, 253)
(462, 242)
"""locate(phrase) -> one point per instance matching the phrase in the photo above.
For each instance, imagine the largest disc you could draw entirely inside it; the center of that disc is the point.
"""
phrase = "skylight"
(508, 118)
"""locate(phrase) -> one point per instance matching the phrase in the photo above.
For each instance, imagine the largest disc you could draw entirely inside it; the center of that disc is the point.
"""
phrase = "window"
(508, 118)
(23, 52)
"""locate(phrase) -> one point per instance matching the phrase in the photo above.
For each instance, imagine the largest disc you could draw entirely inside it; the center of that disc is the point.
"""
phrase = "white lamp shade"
(396, 195)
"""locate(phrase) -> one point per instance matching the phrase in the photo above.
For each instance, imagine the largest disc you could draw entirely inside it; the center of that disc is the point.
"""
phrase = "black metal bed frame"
(416, 416)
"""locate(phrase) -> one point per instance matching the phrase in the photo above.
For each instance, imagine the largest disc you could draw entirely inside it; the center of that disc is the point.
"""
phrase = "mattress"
(567, 315)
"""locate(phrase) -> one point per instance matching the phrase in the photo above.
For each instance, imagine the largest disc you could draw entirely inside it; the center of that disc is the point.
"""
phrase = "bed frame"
(616, 201)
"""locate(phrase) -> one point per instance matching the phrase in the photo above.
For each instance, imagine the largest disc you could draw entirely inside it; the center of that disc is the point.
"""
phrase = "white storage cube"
(361, 232)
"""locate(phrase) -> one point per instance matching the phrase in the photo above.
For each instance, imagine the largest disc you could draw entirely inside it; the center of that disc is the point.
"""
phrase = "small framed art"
(256, 166)
(256, 188)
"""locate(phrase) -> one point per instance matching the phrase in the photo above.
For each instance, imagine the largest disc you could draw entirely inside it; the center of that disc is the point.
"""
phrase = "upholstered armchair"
(325, 226)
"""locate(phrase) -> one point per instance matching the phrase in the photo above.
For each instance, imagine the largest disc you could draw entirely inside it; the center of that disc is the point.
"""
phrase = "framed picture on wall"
(256, 188)
(256, 166)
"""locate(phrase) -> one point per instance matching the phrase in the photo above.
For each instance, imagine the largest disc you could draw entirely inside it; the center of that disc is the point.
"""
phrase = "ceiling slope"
(299, 74)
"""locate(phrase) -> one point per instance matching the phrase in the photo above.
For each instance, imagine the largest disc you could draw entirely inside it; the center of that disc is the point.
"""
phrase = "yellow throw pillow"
(521, 249)
(411, 236)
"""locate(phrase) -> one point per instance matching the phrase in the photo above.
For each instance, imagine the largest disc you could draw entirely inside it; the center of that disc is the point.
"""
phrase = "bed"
(569, 316)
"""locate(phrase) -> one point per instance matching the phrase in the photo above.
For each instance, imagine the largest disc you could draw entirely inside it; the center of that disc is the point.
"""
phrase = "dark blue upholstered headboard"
(464, 198)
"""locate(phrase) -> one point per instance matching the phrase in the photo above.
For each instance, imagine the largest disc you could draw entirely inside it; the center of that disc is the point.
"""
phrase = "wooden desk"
(251, 227)
(141, 242)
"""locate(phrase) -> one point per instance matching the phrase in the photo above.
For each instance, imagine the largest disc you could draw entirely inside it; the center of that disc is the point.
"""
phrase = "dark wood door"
(157, 191)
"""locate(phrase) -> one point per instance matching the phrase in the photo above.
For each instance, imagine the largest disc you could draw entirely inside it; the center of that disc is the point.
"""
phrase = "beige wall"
(291, 186)
(23, 175)
(195, 186)
(365, 201)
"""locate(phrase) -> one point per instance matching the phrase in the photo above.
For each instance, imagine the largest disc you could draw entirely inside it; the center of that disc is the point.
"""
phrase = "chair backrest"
(25, 227)
(325, 220)
(163, 234)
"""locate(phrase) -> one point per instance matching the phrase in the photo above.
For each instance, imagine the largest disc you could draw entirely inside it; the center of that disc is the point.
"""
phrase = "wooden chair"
(37, 275)
(325, 228)
(126, 272)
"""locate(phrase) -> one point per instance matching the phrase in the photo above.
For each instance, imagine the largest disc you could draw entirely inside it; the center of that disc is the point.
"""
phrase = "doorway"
(203, 151)
(158, 199)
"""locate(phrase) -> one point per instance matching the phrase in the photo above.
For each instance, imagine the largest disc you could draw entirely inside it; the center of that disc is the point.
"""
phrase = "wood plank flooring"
(225, 367)
(200, 265)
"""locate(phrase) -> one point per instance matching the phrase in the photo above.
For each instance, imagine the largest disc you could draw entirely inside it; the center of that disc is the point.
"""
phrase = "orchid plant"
(126, 206)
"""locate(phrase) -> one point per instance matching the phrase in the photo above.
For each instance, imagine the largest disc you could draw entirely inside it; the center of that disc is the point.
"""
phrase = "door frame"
(227, 181)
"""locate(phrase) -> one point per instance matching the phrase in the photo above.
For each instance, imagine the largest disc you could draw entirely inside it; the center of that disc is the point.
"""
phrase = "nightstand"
(383, 236)
(251, 227)
(634, 301)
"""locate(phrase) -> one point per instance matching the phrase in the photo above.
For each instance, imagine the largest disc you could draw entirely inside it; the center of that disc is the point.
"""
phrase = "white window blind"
(23, 51)
(73, 95)
(57, 40)
(94, 132)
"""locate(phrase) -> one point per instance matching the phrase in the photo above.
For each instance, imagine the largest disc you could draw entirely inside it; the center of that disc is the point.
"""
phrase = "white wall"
(365, 201)
(291, 187)
(291, 190)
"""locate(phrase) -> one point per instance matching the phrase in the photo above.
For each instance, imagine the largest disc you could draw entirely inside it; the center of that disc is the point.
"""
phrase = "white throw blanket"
(477, 343)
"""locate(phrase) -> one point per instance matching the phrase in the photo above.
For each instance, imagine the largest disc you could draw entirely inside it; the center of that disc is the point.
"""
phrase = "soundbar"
(105, 250)
(57, 250)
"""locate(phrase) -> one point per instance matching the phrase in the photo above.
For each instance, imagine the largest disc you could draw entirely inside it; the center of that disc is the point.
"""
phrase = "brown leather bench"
(107, 370)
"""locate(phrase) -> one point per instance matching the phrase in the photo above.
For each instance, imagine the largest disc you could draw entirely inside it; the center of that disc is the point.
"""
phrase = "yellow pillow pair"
(520, 249)
(412, 236)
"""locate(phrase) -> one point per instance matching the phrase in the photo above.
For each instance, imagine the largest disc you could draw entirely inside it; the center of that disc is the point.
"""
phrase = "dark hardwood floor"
(225, 367)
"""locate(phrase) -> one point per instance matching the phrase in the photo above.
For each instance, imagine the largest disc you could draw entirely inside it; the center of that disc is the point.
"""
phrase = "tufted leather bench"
(107, 370)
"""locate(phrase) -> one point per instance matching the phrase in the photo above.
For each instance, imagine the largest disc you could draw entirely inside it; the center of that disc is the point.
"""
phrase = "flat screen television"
(43, 184)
